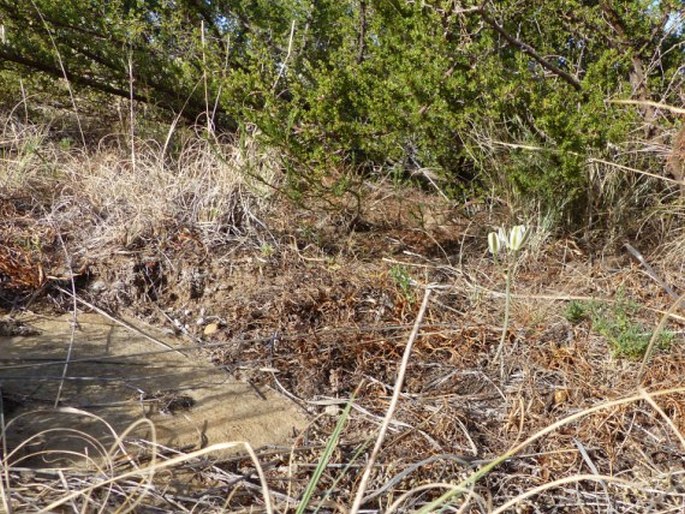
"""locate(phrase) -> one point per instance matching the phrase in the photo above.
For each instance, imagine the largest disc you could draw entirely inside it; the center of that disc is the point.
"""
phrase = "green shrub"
(627, 338)
(509, 97)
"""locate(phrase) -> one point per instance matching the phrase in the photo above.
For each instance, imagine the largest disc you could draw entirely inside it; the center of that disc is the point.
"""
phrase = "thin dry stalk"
(663, 415)
(393, 404)
(131, 112)
(74, 320)
(649, 103)
(63, 69)
(99, 460)
(4, 469)
(486, 469)
(170, 464)
(120, 322)
(284, 64)
(205, 85)
(657, 332)
(455, 489)
(563, 481)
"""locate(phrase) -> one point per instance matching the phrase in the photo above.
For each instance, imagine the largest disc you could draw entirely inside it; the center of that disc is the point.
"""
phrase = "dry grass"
(108, 197)
(320, 309)
(130, 474)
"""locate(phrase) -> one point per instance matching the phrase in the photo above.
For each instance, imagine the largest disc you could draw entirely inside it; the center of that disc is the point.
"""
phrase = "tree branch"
(529, 50)
(175, 103)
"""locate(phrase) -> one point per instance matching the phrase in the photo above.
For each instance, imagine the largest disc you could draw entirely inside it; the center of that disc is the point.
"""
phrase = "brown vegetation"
(319, 308)
(676, 159)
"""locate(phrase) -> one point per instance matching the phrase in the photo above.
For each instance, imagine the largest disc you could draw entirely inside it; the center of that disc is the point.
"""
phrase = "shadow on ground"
(118, 374)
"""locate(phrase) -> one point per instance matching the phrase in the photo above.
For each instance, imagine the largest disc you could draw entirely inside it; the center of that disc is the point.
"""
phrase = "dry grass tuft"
(131, 474)
(111, 197)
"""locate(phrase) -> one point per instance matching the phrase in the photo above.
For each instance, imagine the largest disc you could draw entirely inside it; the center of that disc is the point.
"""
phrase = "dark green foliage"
(575, 312)
(511, 95)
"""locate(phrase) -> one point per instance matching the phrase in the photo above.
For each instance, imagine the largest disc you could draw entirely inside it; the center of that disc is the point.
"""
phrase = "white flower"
(513, 240)
(518, 237)
(494, 243)
(502, 235)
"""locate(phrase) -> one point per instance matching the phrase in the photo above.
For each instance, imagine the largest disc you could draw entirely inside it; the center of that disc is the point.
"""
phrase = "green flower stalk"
(510, 242)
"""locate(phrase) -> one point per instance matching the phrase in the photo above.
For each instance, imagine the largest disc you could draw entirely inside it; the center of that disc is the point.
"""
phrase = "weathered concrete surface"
(122, 374)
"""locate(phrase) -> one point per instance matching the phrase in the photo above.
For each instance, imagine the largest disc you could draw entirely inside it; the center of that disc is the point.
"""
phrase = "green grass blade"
(326, 456)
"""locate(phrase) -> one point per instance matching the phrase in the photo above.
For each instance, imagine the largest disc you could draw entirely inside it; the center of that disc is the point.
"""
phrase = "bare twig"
(121, 322)
(74, 321)
(527, 49)
(676, 110)
(393, 404)
(650, 271)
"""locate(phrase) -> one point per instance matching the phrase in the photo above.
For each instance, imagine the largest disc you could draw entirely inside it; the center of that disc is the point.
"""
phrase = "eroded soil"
(118, 374)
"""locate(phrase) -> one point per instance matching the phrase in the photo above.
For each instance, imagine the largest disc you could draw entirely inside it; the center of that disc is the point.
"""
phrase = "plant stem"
(505, 328)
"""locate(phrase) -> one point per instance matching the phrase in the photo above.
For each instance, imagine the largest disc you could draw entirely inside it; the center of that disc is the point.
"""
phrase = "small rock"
(332, 410)
(210, 329)
(560, 396)
(98, 286)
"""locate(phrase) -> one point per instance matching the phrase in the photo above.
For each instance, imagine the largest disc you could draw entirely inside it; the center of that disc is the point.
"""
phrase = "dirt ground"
(321, 305)
(122, 372)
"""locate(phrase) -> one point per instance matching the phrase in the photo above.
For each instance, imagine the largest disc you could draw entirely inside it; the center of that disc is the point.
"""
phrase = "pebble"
(210, 329)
